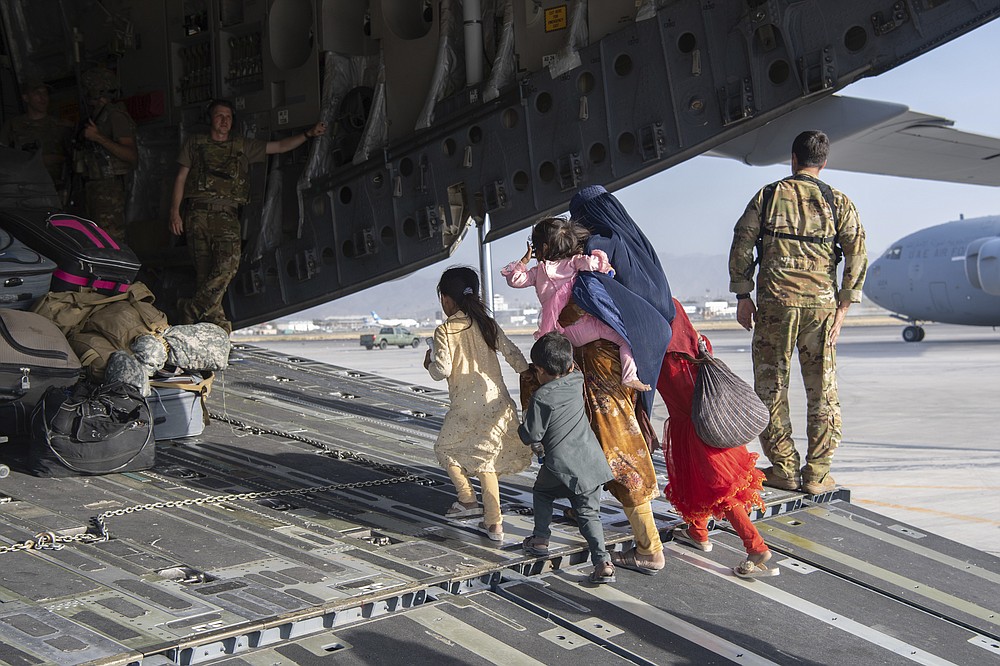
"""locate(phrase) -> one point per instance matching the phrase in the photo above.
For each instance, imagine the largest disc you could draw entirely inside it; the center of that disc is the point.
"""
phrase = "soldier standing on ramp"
(800, 227)
(109, 154)
(213, 177)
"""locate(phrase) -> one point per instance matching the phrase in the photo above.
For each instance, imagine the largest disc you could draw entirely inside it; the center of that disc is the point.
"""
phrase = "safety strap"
(95, 283)
(204, 387)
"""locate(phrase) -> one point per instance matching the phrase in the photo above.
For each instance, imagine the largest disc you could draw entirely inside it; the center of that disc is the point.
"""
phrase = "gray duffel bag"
(725, 409)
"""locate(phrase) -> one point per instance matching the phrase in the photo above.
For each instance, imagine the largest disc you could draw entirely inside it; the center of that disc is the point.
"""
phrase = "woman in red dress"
(704, 481)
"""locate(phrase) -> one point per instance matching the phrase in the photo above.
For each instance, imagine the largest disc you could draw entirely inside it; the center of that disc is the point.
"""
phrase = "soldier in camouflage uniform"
(35, 130)
(109, 153)
(799, 226)
(213, 180)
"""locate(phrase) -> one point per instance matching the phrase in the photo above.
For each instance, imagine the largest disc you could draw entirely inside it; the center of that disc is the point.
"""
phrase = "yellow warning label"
(555, 18)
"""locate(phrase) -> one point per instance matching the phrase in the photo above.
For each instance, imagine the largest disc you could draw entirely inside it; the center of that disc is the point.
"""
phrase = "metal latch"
(25, 379)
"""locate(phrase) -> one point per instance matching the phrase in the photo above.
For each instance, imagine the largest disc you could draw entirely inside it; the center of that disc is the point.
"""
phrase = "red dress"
(703, 481)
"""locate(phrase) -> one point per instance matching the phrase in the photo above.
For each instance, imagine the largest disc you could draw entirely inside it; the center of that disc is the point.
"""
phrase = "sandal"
(628, 560)
(681, 535)
(754, 566)
(486, 529)
(459, 510)
(535, 546)
(605, 573)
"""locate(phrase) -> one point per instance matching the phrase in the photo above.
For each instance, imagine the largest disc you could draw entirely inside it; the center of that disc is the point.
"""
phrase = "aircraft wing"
(876, 137)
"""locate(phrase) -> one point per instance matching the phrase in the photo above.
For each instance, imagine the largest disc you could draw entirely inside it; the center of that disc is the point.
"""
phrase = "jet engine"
(982, 264)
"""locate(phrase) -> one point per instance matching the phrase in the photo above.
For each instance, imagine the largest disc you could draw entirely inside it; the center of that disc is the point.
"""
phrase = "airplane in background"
(378, 321)
(948, 273)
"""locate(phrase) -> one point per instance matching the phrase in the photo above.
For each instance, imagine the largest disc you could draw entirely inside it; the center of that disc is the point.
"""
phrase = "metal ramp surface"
(305, 526)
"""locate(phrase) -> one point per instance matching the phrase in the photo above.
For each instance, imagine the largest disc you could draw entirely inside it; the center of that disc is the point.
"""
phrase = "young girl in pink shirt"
(558, 247)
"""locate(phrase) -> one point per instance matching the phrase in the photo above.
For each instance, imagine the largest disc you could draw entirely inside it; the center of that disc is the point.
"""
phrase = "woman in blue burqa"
(636, 302)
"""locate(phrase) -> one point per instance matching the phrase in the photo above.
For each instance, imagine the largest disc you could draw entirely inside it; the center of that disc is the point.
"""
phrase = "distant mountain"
(692, 278)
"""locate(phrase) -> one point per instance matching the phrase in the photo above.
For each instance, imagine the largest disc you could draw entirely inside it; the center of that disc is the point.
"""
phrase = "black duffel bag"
(91, 429)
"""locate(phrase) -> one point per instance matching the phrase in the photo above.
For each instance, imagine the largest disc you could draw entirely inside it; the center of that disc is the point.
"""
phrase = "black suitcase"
(24, 274)
(86, 256)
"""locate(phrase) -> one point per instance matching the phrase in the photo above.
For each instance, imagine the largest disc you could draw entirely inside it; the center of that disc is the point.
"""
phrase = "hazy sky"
(691, 208)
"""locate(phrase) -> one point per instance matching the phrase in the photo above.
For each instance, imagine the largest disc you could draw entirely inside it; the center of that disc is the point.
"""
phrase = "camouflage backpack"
(220, 170)
(765, 205)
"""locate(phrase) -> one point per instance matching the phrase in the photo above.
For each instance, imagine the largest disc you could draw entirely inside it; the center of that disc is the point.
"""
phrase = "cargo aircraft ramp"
(306, 526)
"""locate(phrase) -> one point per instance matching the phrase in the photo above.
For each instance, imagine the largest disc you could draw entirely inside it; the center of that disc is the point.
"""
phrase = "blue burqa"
(636, 302)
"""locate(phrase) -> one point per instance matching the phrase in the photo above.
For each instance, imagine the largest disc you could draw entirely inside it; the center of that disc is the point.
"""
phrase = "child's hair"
(461, 284)
(560, 238)
(553, 353)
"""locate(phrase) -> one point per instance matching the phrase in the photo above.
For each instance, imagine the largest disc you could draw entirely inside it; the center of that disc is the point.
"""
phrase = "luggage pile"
(75, 370)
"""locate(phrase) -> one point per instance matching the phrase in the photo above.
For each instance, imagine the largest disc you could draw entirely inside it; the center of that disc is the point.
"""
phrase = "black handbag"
(92, 429)
(725, 410)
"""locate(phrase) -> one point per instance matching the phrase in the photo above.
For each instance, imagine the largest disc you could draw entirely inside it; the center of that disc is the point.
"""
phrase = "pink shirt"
(553, 282)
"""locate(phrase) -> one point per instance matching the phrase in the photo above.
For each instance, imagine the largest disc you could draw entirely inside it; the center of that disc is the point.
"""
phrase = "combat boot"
(774, 478)
(826, 484)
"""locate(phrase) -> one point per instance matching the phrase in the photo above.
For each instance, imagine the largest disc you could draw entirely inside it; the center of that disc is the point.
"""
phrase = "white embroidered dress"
(479, 433)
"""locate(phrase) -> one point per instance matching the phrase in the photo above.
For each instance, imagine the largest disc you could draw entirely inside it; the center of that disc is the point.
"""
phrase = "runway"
(921, 442)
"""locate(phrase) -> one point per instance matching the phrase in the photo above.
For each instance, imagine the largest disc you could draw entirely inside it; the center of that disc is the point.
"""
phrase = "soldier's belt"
(205, 205)
(119, 177)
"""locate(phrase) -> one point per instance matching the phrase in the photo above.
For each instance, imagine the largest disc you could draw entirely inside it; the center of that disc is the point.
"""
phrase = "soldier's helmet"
(99, 82)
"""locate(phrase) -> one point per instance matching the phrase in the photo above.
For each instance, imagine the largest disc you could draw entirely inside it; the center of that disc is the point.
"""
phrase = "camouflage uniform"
(105, 175)
(797, 297)
(215, 188)
(48, 134)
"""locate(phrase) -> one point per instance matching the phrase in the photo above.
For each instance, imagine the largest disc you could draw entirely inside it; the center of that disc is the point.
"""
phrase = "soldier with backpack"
(801, 228)
(214, 180)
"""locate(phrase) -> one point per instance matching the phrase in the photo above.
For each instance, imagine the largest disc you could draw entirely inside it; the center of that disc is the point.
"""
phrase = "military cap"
(99, 82)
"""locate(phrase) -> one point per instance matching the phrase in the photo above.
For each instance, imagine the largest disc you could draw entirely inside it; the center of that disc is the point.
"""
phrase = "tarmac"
(920, 442)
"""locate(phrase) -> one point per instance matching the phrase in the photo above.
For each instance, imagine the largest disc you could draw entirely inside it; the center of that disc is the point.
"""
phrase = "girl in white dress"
(479, 435)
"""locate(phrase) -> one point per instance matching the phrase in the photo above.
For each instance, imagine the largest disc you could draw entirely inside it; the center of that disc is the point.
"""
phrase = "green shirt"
(220, 169)
(799, 273)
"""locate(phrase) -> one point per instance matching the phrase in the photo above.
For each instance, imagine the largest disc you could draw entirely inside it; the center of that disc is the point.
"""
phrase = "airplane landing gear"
(913, 333)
